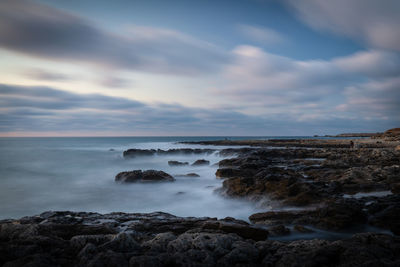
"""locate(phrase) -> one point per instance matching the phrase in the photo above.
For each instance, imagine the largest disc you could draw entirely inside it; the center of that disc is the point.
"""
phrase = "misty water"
(77, 174)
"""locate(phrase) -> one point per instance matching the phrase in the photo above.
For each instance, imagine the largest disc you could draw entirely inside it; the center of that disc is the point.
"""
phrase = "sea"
(77, 174)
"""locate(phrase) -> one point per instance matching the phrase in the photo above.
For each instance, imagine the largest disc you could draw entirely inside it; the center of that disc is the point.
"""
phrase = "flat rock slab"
(143, 176)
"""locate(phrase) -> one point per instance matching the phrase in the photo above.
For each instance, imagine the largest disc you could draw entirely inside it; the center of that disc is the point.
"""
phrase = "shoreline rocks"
(134, 152)
(161, 239)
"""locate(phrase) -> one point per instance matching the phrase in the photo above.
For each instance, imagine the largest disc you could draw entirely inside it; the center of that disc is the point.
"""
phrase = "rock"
(143, 176)
(279, 230)
(228, 173)
(339, 215)
(192, 174)
(132, 153)
(302, 229)
(161, 239)
(177, 163)
(122, 242)
(243, 230)
(395, 188)
(201, 162)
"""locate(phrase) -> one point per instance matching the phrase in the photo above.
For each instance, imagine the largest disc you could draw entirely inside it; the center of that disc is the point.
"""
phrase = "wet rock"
(161, 239)
(192, 174)
(228, 173)
(201, 162)
(143, 176)
(302, 229)
(177, 163)
(339, 215)
(395, 188)
(243, 230)
(132, 153)
(279, 230)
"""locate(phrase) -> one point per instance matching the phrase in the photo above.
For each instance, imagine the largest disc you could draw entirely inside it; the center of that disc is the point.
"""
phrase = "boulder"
(177, 163)
(143, 176)
(201, 162)
(192, 174)
(131, 153)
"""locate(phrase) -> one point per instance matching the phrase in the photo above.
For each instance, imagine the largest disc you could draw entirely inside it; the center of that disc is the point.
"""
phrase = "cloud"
(313, 90)
(39, 30)
(45, 110)
(40, 74)
(262, 35)
(372, 63)
(372, 22)
(379, 99)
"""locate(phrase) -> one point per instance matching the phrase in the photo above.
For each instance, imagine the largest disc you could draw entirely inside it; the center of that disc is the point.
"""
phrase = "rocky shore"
(349, 188)
(160, 239)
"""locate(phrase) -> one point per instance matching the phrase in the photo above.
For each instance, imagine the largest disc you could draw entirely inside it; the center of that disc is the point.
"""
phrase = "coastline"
(331, 185)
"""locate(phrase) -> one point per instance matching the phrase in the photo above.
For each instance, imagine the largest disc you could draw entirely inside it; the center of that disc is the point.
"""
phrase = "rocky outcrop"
(143, 176)
(201, 162)
(132, 153)
(191, 174)
(160, 239)
(300, 177)
(341, 214)
(391, 134)
(177, 163)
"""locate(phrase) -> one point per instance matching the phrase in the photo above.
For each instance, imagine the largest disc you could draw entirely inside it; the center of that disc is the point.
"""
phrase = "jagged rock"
(161, 239)
(143, 176)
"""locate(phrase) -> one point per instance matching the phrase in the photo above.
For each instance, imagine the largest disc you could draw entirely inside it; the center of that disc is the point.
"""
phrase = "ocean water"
(40, 174)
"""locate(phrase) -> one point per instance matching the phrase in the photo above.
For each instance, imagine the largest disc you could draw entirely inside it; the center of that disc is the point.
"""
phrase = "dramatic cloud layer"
(374, 22)
(42, 31)
(313, 89)
(242, 89)
(44, 109)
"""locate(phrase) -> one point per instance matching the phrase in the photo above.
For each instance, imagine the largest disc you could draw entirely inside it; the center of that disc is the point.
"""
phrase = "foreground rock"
(160, 239)
(143, 176)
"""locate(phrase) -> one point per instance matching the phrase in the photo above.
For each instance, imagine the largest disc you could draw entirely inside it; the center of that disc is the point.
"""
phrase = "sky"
(211, 67)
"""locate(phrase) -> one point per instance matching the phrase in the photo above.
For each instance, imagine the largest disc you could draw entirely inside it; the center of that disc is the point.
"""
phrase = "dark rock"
(279, 230)
(302, 229)
(143, 176)
(131, 153)
(201, 162)
(192, 174)
(161, 239)
(177, 163)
